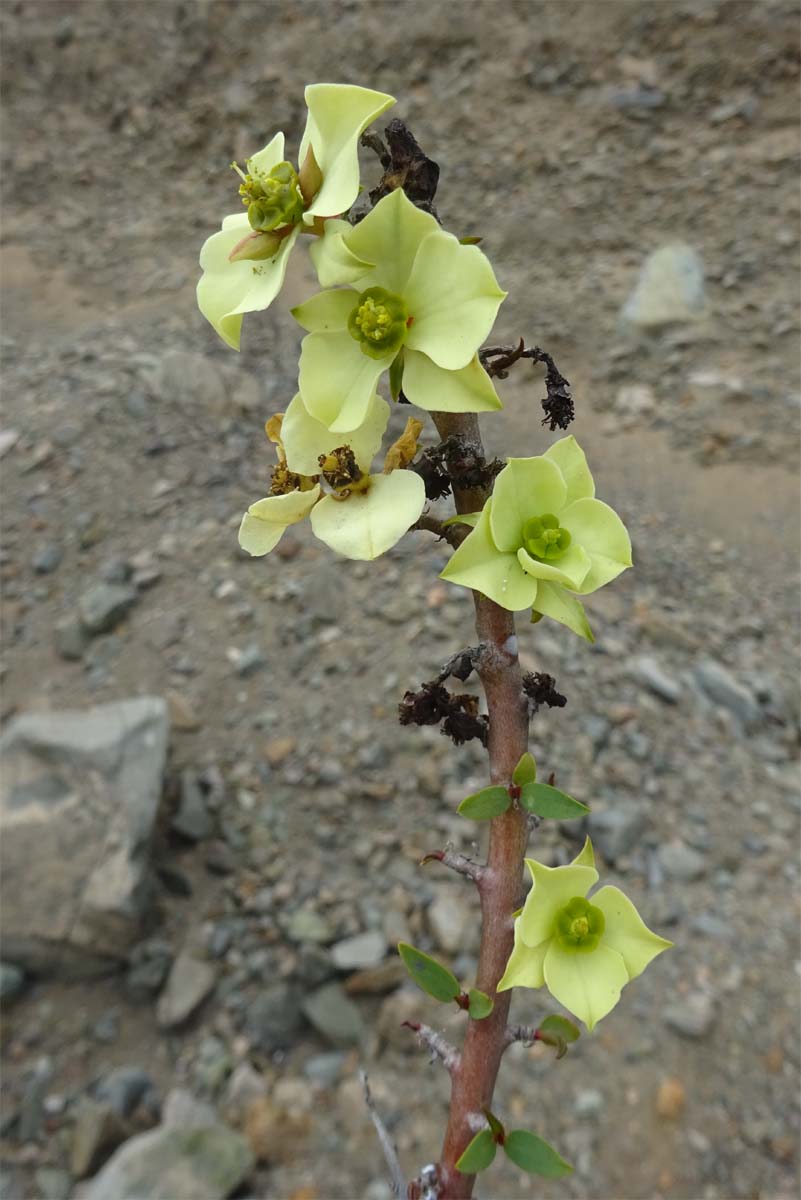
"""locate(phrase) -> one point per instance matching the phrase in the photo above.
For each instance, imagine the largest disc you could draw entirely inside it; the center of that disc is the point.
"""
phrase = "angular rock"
(334, 1015)
(447, 919)
(79, 794)
(12, 982)
(123, 1089)
(274, 1017)
(616, 831)
(724, 690)
(681, 862)
(188, 984)
(205, 1160)
(692, 1017)
(71, 639)
(104, 605)
(47, 558)
(670, 289)
(648, 671)
(192, 820)
(356, 953)
(97, 1131)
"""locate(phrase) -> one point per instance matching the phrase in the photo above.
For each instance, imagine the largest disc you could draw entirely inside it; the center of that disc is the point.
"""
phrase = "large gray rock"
(79, 793)
(195, 1160)
(670, 289)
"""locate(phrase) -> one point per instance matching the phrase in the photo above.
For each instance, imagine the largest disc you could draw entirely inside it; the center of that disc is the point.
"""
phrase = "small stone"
(98, 1130)
(219, 858)
(723, 689)
(192, 820)
(334, 1015)
(670, 289)
(306, 925)
(52, 1182)
(691, 1017)
(248, 660)
(681, 862)
(648, 671)
(616, 831)
(588, 1104)
(107, 1026)
(325, 1069)
(71, 639)
(212, 1065)
(406, 1004)
(273, 1134)
(670, 1098)
(447, 917)
(273, 1018)
(385, 977)
(148, 966)
(635, 400)
(47, 558)
(189, 982)
(12, 983)
(8, 440)
(123, 1089)
(245, 1084)
(278, 750)
(31, 1111)
(182, 715)
(104, 605)
(358, 952)
(199, 1160)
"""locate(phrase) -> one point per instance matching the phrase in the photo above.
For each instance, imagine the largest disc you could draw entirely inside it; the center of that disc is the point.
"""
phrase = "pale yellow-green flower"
(359, 516)
(542, 538)
(245, 263)
(583, 949)
(418, 304)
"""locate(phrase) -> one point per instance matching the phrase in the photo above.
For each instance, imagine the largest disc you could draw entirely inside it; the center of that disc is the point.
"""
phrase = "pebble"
(273, 1017)
(306, 925)
(248, 660)
(724, 690)
(182, 715)
(670, 1098)
(188, 984)
(31, 1112)
(448, 916)
(648, 671)
(692, 1017)
(588, 1104)
(47, 558)
(334, 1015)
(616, 831)
(71, 638)
(97, 1131)
(358, 952)
(12, 982)
(123, 1088)
(192, 819)
(148, 967)
(325, 1069)
(670, 289)
(104, 605)
(52, 1182)
(681, 862)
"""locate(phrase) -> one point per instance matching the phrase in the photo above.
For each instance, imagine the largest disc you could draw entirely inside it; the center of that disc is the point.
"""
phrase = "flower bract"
(245, 263)
(359, 515)
(584, 949)
(543, 539)
(418, 303)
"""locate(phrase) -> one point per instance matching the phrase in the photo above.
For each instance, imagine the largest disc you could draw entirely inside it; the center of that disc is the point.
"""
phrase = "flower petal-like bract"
(366, 524)
(524, 968)
(265, 521)
(560, 605)
(338, 115)
(588, 985)
(526, 487)
(478, 564)
(626, 932)
(305, 439)
(572, 462)
(336, 380)
(390, 237)
(599, 529)
(436, 390)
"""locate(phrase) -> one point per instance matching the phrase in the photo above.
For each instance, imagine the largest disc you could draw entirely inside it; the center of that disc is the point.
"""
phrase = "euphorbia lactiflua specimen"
(245, 263)
(405, 299)
(584, 950)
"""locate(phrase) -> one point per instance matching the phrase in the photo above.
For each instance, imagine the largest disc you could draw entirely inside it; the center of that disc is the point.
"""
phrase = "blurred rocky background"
(211, 818)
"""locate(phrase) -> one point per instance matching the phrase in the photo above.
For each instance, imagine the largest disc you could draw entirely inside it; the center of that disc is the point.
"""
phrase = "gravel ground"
(575, 138)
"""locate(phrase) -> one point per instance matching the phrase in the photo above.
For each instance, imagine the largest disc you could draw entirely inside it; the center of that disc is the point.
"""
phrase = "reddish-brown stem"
(473, 1079)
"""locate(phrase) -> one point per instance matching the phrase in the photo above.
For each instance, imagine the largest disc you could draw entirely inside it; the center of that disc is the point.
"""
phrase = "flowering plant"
(406, 300)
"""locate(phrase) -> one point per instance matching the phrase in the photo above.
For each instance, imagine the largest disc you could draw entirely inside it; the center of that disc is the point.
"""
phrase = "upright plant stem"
(473, 1081)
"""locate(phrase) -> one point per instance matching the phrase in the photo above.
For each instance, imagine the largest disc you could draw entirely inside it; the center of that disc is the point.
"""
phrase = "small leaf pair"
(526, 1150)
(437, 981)
(539, 798)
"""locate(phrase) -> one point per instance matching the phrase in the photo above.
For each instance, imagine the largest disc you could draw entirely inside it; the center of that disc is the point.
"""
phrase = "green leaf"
(559, 1027)
(489, 802)
(428, 974)
(534, 1155)
(470, 240)
(547, 801)
(496, 1128)
(462, 519)
(478, 1155)
(480, 1004)
(525, 771)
